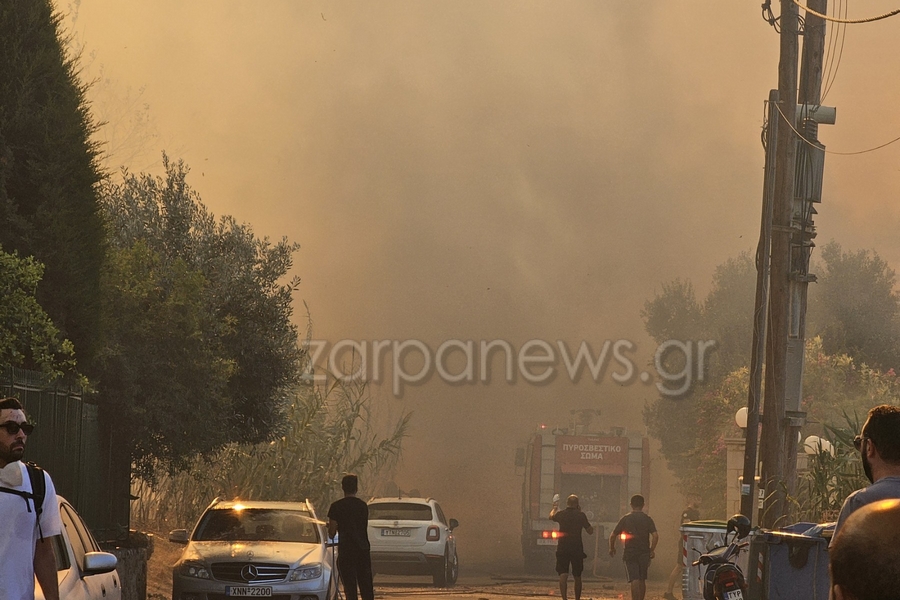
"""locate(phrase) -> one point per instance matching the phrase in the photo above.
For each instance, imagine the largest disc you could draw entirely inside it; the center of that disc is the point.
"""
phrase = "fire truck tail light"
(433, 535)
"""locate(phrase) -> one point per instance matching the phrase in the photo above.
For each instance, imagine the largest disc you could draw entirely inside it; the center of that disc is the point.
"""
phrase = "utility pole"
(808, 192)
(772, 443)
(798, 186)
(760, 313)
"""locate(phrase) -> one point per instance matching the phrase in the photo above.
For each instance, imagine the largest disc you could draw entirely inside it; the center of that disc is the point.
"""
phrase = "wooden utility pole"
(760, 313)
(807, 193)
(772, 443)
(798, 186)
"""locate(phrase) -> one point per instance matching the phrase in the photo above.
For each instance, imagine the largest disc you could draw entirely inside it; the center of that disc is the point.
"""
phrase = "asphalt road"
(487, 586)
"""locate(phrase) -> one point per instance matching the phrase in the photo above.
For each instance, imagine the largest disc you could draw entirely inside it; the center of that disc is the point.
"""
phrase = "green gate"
(67, 443)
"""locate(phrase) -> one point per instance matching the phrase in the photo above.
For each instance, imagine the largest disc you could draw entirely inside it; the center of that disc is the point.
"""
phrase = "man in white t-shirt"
(26, 547)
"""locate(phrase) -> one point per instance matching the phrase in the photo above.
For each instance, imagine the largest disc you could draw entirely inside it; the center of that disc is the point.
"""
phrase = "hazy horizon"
(480, 171)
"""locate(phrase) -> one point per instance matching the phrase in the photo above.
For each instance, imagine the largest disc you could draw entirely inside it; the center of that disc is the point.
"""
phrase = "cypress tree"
(49, 171)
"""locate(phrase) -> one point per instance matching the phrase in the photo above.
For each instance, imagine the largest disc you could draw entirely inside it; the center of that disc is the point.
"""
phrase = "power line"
(802, 137)
(847, 21)
(832, 62)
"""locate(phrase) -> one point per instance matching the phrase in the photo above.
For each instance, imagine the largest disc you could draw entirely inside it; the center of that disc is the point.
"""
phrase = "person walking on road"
(349, 517)
(639, 536)
(865, 557)
(26, 545)
(570, 549)
(690, 513)
(879, 447)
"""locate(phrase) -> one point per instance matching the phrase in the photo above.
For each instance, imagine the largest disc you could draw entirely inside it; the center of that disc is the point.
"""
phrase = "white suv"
(411, 536)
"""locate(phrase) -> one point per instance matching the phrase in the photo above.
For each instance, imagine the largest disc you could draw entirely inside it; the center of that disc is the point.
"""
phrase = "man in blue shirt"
(879, 447)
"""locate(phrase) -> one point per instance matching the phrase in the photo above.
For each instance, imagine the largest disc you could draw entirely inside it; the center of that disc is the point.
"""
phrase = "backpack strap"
(38, 492)
(38, 487)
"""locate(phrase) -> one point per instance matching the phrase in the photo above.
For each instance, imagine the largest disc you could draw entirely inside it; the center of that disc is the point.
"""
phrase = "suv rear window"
(257, 524)
(400, 511)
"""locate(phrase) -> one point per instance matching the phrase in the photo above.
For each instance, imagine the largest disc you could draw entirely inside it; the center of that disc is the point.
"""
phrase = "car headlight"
(193, 569)
(307, 572)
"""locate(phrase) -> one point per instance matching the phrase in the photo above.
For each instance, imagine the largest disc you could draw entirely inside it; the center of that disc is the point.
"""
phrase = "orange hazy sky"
(487, 170)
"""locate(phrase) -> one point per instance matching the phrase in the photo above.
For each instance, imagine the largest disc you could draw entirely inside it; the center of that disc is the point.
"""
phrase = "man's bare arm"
(654, 540)
(45, 568)
(332, 528)
(589, 529)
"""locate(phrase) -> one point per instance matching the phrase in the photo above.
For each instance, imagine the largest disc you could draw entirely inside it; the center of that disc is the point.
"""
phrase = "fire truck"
(603, 469)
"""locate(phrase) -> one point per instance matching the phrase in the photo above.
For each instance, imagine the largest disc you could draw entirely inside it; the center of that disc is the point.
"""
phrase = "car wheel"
(439, 575)
(453, 569)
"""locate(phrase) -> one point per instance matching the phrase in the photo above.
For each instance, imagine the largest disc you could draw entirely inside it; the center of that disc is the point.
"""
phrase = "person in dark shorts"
(349, 516)
(570, 550)
(639, 536)
(690, 513)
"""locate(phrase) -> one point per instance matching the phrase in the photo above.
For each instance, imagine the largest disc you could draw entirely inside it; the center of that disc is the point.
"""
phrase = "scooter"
(723, 579)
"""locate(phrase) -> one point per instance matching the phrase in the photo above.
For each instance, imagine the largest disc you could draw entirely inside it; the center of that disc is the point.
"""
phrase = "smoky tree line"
(853, 335)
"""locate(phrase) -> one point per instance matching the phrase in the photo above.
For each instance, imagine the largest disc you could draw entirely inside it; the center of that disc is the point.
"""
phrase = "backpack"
(38, 492)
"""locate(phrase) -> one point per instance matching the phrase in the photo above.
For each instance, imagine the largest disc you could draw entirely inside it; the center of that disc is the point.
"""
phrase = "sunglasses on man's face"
(12, 428)
(857, 442)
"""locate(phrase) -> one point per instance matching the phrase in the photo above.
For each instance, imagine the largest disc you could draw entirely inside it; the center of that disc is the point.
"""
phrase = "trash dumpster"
(699, 537)
(790, 566)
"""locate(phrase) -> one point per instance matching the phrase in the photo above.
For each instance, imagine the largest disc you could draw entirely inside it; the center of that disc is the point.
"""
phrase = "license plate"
(245, 591)
(734, 595)
(547, 542)
(395, 532)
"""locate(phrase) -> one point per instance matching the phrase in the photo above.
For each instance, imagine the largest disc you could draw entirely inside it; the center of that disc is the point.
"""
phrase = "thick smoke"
(481, 171)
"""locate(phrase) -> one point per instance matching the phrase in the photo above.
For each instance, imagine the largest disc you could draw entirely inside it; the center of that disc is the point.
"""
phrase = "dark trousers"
(356, 569)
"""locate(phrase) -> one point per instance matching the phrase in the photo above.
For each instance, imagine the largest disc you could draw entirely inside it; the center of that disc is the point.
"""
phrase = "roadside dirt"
(475, 584)
(159, 567)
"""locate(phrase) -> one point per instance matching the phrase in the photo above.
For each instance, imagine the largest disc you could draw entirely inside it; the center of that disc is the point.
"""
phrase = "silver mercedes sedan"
(255, 549)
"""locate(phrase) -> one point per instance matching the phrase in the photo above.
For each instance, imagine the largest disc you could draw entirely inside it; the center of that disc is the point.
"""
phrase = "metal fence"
(67, 442)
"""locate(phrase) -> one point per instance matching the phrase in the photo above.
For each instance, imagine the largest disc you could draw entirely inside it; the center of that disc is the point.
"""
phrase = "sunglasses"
(12, 428)
(857, 442)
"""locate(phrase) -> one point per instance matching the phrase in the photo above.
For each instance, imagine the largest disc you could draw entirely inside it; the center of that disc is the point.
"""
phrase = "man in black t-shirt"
(349, 516)
(569, 549)
(639, 536)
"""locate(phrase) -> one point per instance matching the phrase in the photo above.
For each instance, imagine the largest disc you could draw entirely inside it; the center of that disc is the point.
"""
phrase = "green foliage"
(48, 171)
(163, 375)
(725, 316)
(857, 311)
(852, 330)
(831, 476)
(328, 434)
(198, 322)
(835, 385)
(28, 338)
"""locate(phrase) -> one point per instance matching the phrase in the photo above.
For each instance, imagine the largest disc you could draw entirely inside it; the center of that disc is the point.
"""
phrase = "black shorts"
(636, 567)
(564, 560)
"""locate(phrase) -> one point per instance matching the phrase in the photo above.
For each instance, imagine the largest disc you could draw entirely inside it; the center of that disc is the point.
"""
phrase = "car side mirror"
(178, 536)
(99, 562)
(454, 524)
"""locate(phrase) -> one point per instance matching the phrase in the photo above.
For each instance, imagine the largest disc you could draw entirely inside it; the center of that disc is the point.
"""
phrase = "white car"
(83, 570)
(258, 549)
(411, 536)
